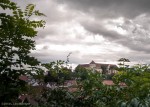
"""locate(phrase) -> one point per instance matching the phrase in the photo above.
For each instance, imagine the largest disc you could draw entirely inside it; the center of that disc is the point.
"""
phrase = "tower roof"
(92, 62)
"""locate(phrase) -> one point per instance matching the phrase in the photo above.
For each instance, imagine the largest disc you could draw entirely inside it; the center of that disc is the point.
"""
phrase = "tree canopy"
(16, 33)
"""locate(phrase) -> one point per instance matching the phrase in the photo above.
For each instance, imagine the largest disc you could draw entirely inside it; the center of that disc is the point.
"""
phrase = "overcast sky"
(99, 30)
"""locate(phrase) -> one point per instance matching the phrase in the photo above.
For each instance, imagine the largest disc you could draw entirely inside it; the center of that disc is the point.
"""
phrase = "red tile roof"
(23, 77)
(29, 98)
(108, 82)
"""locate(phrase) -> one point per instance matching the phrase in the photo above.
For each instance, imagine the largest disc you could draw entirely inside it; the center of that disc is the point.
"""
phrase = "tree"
(131, 89)
(122, 62)
(16, 33)
(81, 72)
(104, 69)
(137, 90)
(57, 72)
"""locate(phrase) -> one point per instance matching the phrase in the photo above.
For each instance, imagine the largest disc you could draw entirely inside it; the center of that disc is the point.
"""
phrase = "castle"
(100, 67)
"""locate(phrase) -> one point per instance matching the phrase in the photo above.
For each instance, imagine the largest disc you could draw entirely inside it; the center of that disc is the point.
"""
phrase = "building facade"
(100, 67)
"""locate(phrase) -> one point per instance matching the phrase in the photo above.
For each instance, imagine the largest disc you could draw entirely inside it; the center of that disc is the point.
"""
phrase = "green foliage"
(57, 98)
(80, 69)
(104, 69)
(108, 76)
(91, 92)
(57, 72)
(16, 33)
(81, 72)
(137, 80)
(85, 96)
(6, 4)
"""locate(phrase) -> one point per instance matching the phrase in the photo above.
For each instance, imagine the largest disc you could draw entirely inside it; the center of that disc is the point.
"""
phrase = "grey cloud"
(137, 46)
(138, 38)
(45, 47)
(136, 56)
(47, 31)
(49, 56)
(49, 8)
(127, 8)
(133, 56)
(96, 28)
(70, 42)
(99, 10)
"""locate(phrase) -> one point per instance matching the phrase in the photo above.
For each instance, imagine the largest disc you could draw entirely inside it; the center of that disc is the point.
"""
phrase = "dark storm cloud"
(80, 11)
(138, 43)
(96, 28)
(111, 8)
